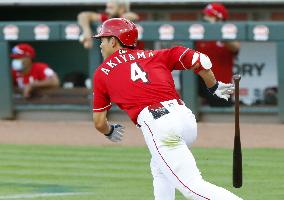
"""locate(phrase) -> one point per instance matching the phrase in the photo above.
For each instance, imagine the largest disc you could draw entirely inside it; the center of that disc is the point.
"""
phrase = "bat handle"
(237, 79)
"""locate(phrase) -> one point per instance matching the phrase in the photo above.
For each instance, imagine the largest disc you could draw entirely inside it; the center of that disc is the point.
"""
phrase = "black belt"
(158, 110)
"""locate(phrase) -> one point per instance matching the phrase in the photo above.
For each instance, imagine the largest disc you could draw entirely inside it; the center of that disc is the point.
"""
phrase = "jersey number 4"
(137, 73)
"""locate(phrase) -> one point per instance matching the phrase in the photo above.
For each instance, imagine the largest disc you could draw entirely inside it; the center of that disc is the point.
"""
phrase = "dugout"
(61, 49)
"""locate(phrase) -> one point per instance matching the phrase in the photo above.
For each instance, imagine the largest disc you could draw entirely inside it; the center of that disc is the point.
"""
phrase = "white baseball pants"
(172, 165)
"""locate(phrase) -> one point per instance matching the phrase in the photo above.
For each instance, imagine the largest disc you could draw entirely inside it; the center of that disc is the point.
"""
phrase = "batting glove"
(222, 90)
(116, 133)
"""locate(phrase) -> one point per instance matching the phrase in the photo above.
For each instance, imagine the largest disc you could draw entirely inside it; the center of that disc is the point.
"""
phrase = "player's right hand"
(222, 90)
(116, 133)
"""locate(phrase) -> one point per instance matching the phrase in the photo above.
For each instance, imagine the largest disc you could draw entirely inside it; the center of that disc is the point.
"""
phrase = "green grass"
(120, 173)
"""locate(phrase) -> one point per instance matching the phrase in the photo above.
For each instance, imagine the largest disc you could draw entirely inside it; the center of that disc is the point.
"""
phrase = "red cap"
(123, 29)
(23, 50)
(217, 10)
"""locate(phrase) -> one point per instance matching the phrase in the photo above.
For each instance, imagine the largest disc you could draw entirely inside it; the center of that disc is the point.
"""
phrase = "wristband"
(111, 130)
(214, 88)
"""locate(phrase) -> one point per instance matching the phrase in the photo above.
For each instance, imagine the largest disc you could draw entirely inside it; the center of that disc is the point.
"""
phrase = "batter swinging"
(140, 83)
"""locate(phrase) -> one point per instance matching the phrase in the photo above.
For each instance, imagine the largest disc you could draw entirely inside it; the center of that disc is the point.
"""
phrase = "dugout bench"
(182, 32)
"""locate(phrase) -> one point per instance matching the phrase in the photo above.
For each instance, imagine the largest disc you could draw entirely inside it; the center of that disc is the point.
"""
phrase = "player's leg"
(179, 166)
(163, 189)
(164, 139)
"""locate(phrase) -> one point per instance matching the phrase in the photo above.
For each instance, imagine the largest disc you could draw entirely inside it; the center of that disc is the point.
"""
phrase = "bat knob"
(237, 77)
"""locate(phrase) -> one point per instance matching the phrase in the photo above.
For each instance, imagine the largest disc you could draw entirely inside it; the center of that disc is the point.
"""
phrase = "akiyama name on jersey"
(123, 57)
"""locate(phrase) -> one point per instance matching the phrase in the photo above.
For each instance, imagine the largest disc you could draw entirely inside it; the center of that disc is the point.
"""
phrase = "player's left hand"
(116, 133)
(222, 90)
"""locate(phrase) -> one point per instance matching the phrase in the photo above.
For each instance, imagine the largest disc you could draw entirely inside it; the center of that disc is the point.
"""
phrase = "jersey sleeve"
(180, 58)
(44, 72)
(101, 100)
(48, 72)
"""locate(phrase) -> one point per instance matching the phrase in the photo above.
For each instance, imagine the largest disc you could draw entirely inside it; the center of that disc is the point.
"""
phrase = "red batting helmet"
(123, 29)
(23, 50)
(217, 10)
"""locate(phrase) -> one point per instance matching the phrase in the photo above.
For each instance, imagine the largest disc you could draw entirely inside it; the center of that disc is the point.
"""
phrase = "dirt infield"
(83, 133)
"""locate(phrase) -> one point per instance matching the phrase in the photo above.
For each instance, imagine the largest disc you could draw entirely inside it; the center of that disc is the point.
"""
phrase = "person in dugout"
(221, 53)
(28, 75)
(114, 9)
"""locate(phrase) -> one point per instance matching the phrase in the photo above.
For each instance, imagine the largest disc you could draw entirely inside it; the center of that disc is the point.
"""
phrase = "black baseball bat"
(237, 153)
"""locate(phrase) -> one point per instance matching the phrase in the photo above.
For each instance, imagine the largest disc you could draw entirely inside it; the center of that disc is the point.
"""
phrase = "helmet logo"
(17, 50)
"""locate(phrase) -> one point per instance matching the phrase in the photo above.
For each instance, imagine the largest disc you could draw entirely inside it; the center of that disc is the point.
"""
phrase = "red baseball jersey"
(221, 57)
(103, 17)
(134, 79)
(39, 71)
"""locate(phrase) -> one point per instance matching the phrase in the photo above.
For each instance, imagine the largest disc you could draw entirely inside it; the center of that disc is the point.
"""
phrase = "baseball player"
(140, 83)
(114, 8)
(28, 75)
(221, 53)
